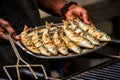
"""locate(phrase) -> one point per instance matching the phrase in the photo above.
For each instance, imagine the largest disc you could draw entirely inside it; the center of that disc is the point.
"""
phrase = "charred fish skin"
(99, 35)
(27, 41)
(47, 41)
(75, 28)
(70, 44)
(60, 44)
(38, 44)
(79, 40)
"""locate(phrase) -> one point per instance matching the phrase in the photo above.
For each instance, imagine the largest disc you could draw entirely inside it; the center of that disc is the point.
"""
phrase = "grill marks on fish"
(38, 44)
(79, 40)
(73, 35)
(60, 44)
(70, 44)
(75, 28)
(96, 33)
(26, 41)
(47, 41)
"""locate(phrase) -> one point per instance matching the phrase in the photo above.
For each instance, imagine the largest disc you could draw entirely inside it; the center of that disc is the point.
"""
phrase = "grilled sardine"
(78, 31)
(70, 44)
(99, 35)
(79, 40)
(47, 41)
(38, 44)
(27, 41)
(60, 44)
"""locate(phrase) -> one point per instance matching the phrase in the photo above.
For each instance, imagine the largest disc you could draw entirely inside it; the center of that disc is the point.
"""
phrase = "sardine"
(27, 41)
(38, 44)
(70, 44)
(47, 41)
(60, 44)
(78, 31)
(96, 33)
(79, 40)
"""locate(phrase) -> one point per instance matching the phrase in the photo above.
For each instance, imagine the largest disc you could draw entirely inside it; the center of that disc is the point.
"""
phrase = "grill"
(102, 67)
(110, 71)
(108, 68)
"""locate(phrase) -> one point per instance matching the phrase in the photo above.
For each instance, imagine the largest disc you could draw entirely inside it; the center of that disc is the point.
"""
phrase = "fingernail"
(17, 37)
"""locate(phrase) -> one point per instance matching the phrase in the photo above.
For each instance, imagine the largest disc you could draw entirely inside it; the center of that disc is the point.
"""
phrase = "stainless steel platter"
(71, 54)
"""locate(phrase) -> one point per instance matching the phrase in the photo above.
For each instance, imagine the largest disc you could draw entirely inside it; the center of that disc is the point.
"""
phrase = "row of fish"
(72, 35)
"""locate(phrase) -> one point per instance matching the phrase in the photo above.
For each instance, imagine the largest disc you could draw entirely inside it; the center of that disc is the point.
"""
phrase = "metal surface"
(86, 51)
(116, 45)
(109, 71)
(71, 54)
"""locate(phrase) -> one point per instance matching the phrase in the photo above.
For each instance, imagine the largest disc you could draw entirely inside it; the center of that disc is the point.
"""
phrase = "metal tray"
(60, 56)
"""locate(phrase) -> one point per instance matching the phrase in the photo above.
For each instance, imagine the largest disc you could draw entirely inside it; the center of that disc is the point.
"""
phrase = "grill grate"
(108, 72)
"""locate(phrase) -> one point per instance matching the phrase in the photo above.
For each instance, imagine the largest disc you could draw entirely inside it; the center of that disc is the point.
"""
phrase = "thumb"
(15, 36)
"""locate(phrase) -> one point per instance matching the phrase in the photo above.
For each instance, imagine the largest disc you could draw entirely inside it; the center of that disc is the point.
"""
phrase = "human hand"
(5, 27)
(78, 11)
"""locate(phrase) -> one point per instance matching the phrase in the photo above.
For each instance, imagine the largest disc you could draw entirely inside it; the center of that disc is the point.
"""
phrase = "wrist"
(67, 7)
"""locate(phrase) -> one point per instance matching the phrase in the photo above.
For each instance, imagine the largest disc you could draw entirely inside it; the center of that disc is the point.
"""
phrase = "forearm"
(68, 10)
(52, 6)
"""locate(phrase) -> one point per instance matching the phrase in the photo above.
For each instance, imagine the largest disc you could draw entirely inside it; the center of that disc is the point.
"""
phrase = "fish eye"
(78, 48)
(54, 49)
(100, 36)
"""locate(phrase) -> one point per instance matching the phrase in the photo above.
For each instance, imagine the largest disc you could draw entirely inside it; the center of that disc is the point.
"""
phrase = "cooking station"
(103, 64)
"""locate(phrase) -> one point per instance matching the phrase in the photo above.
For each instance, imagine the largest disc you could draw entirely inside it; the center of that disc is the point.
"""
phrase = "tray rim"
(60, 57)
(102, 44)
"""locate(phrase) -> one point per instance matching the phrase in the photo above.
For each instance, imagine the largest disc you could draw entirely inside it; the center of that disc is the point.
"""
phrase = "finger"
(3, 36)
(80, 16)
(15, 42)
(8, 28)
(85, 18)
(2, 30)
(70, 18)
(69, 15)
(91, 23)
(11, 31)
